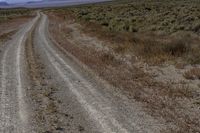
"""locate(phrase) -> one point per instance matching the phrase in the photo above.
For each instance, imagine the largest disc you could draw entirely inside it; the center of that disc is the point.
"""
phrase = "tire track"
(44, 113)
(13, 105)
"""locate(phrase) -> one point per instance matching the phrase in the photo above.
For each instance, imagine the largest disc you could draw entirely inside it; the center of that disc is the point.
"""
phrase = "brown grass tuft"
(192, 74)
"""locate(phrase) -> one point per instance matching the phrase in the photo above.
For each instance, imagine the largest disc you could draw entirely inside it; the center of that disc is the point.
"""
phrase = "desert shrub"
(133, 28)
(105, 23)
(83, 12)
(86, 18)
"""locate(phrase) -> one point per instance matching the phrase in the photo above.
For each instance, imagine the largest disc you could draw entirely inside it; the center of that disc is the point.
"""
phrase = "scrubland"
(8, 14)
(164, 30)
(149, 49)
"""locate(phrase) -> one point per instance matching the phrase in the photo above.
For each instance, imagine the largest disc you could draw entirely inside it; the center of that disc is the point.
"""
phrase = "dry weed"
(192, 74)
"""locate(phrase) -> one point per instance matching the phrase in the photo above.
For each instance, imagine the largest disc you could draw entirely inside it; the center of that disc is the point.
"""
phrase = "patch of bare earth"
(176, 102)
(8, 28)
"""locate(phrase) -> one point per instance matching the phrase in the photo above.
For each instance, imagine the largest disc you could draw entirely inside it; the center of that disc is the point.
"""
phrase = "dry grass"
(147, 29)
(153, 48)
(193, 73)
(156, 50)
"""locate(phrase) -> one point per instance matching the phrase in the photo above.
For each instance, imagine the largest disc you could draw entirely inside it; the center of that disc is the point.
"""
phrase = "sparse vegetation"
(7, 14)
(155, 31)
(140, 16)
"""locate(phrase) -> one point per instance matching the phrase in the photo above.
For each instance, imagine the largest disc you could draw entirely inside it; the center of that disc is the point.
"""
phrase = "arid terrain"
(159, 68)
(123, 66)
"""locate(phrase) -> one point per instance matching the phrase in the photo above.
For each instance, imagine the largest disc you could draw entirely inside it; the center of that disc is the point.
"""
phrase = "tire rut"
(14, 110)
(45, 113)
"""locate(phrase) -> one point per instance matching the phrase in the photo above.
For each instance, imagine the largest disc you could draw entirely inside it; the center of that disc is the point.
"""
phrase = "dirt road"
(44, 89)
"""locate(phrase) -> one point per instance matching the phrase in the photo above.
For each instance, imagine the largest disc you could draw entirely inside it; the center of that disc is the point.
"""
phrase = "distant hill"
(48, 3)
(58, 3)
(31, 2)
(4, 4)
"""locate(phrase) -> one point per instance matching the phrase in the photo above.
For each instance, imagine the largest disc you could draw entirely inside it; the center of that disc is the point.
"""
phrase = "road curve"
(64, 98)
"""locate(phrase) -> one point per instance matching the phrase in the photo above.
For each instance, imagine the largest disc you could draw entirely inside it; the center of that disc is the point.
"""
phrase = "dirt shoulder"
(176, 102)
(8, 28)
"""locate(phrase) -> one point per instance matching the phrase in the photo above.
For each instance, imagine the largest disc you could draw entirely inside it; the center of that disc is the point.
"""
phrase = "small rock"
(81, 128)
(66, 115)
(60, 129)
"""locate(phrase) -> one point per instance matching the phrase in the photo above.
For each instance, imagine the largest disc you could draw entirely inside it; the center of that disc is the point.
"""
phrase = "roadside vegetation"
(137, 16)
(9, 14)
(150, 49)
(157, 31)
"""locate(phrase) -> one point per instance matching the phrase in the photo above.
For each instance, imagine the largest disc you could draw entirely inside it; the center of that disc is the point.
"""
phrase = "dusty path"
(62, 97)
(13, 113)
